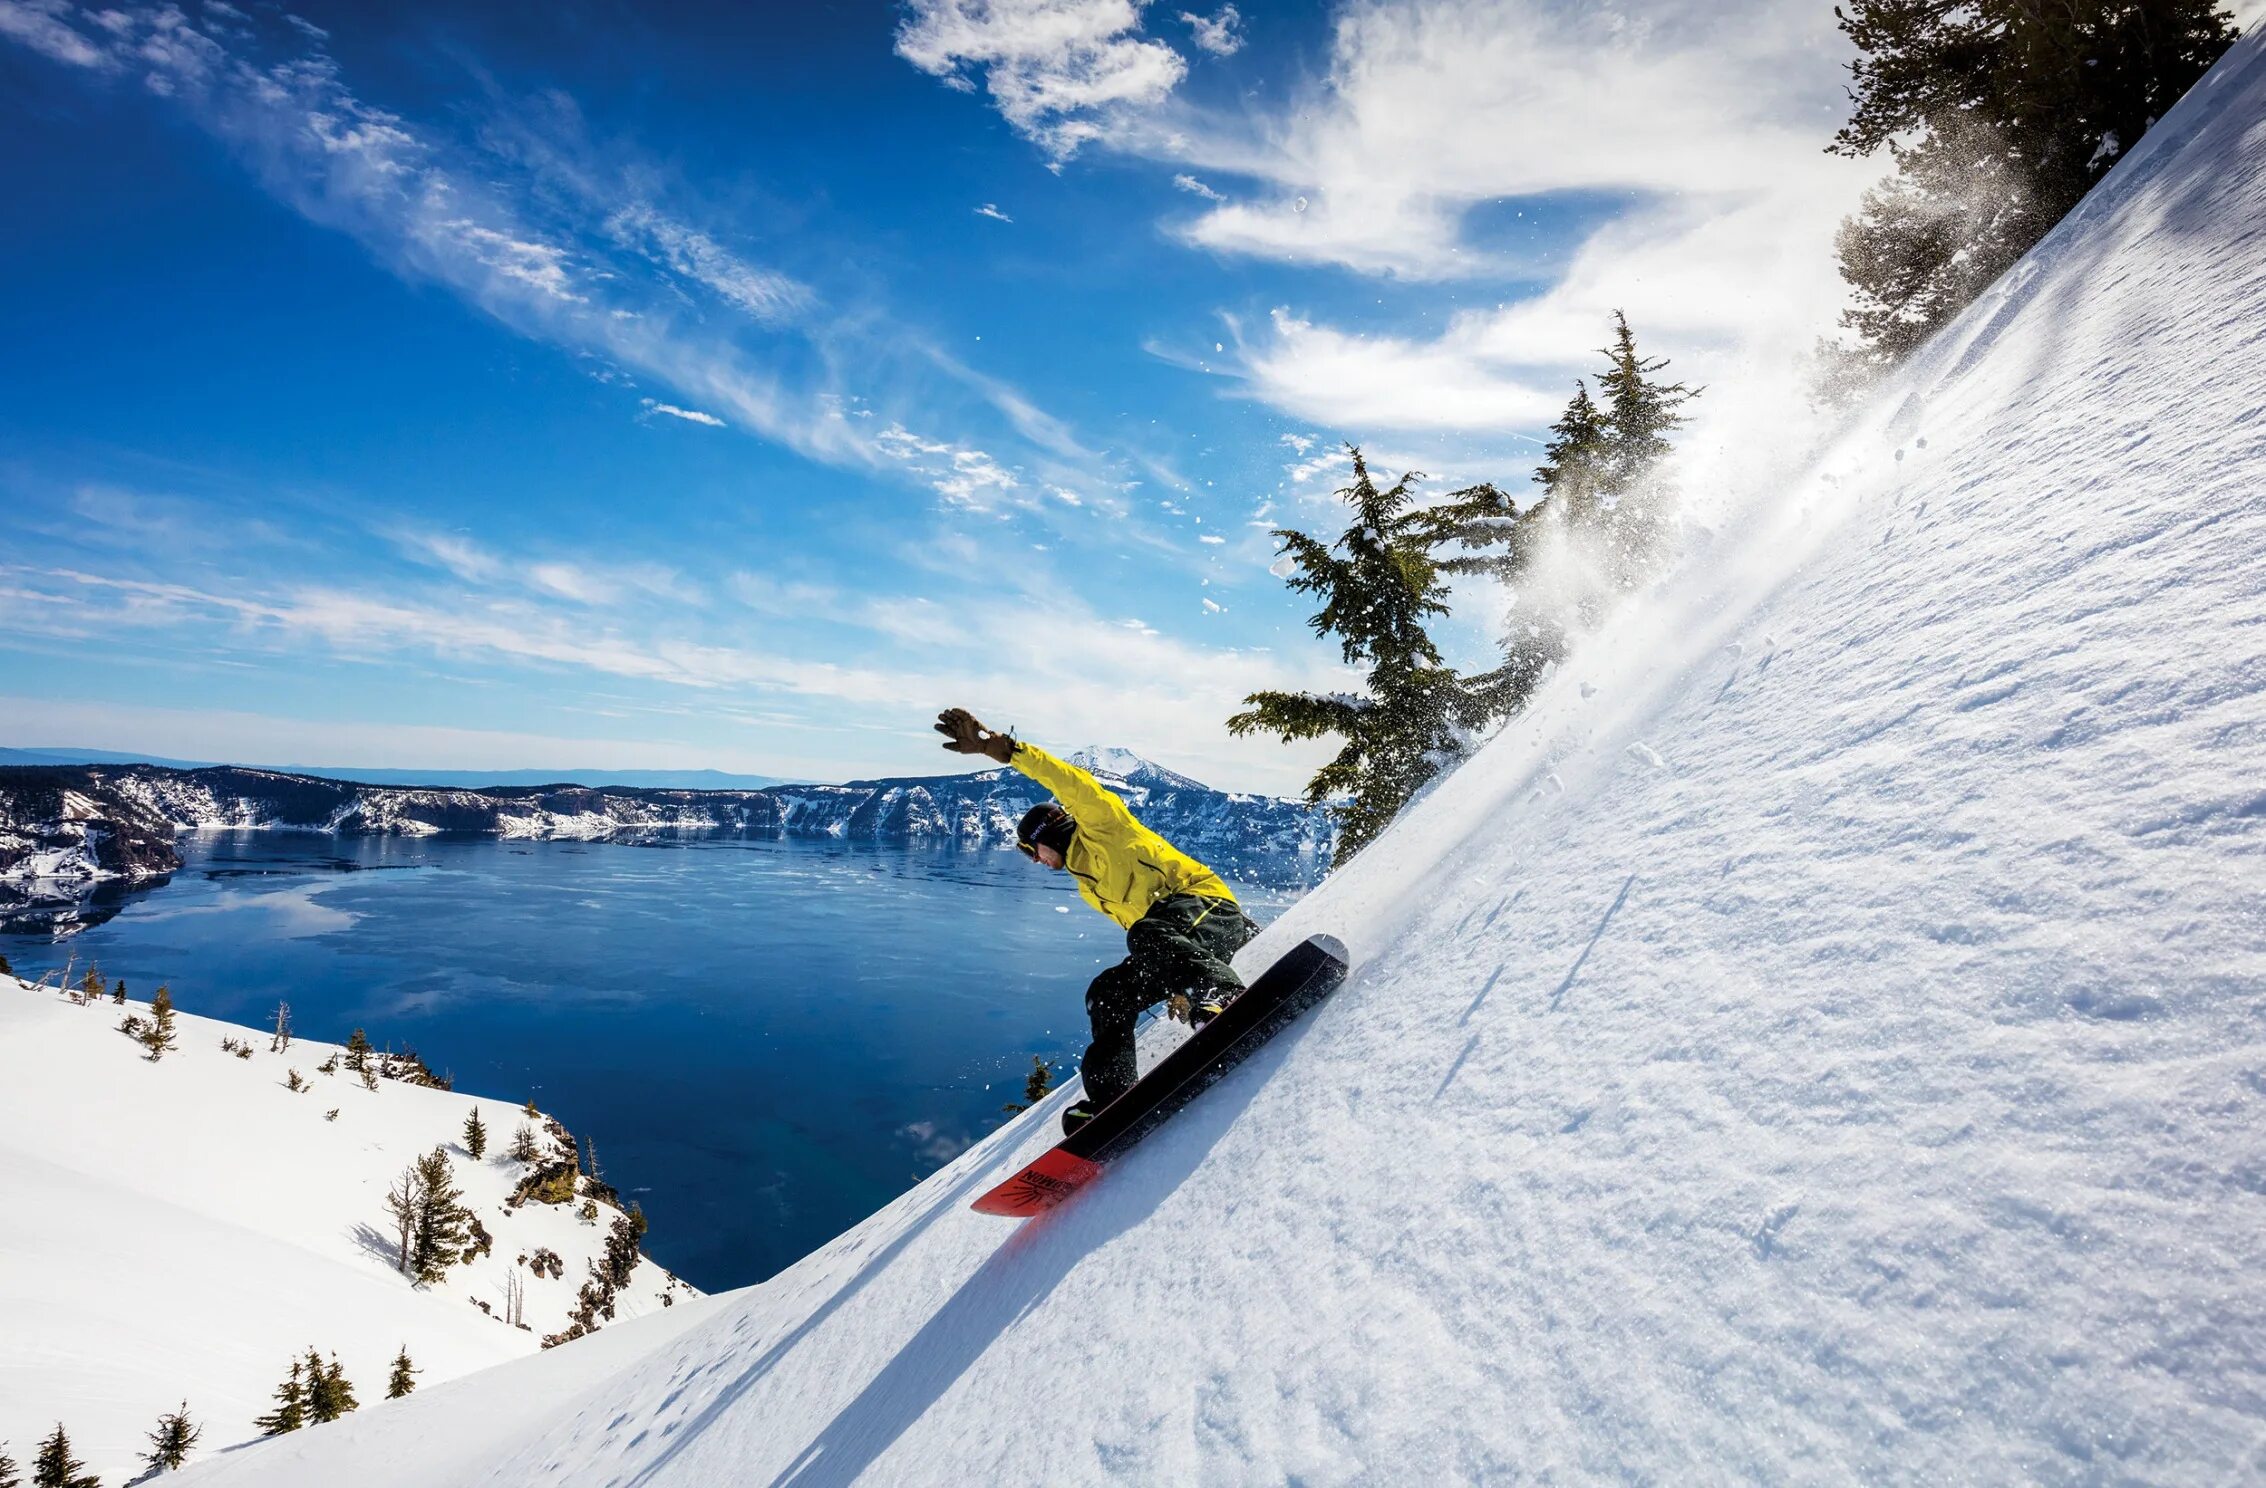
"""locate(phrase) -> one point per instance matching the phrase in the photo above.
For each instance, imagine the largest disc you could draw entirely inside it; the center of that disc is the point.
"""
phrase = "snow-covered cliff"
(1824, 1042)
(185, 1228)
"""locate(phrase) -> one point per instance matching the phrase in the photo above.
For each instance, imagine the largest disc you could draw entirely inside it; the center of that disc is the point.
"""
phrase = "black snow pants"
(1182, 944)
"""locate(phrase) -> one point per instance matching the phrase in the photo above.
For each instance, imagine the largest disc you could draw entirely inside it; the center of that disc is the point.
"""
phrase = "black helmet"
(1045, 825)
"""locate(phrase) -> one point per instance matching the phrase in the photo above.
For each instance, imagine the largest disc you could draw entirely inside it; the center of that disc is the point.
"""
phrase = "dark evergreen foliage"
(172, 1441)
(330, 1394)
(290, 1411)
(1376, 600)
(358, 1051)
(55, 1467)
(475, 1135)
(441, 1225)
(2000, 115)
(10, 1475)
(1035, 1086)
(404, 1376)
(157, 1035)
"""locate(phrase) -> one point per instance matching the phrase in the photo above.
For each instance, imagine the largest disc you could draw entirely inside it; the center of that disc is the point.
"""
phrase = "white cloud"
(561, 246)
(992, 211)
(962, 474)
(1194, 187)
(38, 24)
(1057, 70)
(689, 415)
(1220, 33)
(768, 296)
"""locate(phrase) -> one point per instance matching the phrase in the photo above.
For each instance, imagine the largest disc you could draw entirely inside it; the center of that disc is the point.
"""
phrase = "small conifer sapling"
(158, 1035)
(171, 1442)
(475, 1135)
(404, 1376)
(290, 1411)
(55, 1467)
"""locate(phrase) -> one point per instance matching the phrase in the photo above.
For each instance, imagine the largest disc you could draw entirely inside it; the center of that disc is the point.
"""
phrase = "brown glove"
(964, 735)
(1181, 1008)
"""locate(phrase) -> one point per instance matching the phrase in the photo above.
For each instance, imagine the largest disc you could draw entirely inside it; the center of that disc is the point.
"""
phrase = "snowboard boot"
(1210, 1006)
(1076, 1116)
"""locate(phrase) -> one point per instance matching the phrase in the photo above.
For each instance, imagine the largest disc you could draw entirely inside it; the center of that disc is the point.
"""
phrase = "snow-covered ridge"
(181, 1229)
(78, 824)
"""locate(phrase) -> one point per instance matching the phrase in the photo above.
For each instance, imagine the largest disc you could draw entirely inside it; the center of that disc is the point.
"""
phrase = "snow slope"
(180, 1230)
(1824, 1042)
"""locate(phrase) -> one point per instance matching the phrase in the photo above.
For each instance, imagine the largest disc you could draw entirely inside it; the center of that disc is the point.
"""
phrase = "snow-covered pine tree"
(475, 1135)
(157, 1034)
(404, 1376)
(330, 1394)
(290, 1411)
(55, 1467)
(172, 1441)
(1414, 719)
(1999, 115)
(442, 1222)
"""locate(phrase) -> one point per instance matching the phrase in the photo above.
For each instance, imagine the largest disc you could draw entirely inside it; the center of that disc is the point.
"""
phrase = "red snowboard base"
(1045, 1183)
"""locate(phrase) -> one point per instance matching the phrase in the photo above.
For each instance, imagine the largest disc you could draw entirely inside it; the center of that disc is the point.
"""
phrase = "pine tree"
(171, 1442)
(118, 992)
(1999, 115)
(1604, 511)
(1035, 1086)
(157, 1036)
(55, 1467)
(93, 988)
(1412, 721)
(442, 1224)
(404, 1376)
(290, 1411)
(529, 1108)
(280, 1040)
(330, 1394)
(523, 1148)
(10, 1475)
(6, 970)
(358, 1051)
(475, 1135)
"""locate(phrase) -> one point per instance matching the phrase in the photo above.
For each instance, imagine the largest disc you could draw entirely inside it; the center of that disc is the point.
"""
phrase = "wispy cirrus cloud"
(540, 230)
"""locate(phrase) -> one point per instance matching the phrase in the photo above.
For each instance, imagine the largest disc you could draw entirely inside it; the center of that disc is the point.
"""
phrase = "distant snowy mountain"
(66, 829)
(184, 1229)
(1821, 1043)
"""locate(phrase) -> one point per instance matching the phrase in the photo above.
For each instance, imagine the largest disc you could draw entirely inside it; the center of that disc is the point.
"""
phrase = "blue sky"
(570, 385)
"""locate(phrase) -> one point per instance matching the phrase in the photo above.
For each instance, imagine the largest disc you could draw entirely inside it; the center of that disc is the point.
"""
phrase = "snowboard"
(1304, 976)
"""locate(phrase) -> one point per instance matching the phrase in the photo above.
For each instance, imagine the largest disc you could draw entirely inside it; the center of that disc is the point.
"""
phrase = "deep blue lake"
(767, 1040)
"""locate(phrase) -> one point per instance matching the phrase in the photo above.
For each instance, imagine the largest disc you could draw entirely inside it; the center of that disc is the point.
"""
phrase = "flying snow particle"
(1298, 205)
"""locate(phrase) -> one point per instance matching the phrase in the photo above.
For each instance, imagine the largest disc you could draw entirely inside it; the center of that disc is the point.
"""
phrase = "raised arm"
(1080, 794)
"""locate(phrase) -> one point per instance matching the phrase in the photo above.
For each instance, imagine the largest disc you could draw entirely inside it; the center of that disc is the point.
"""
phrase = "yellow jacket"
(1122, 867)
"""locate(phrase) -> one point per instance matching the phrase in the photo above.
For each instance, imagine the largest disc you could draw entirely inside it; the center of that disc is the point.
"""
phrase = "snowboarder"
(1182, 923)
